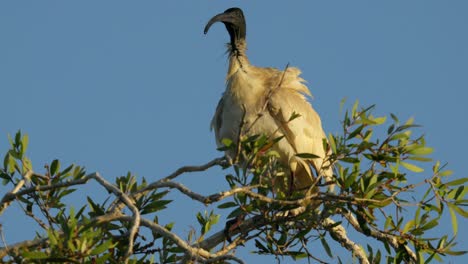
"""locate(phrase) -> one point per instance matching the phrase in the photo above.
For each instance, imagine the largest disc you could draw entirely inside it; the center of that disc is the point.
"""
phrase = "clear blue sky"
(118, 86)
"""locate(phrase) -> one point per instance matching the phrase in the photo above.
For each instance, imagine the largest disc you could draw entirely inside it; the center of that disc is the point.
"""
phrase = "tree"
(378, 194)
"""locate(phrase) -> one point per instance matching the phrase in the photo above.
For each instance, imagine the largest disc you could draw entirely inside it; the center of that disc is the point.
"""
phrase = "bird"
(264, 100)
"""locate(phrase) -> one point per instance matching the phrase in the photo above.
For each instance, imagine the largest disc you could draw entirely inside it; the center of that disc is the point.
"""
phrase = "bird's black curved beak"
(223, 17)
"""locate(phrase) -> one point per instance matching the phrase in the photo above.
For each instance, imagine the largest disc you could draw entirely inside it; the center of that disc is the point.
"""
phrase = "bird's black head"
(233, 19)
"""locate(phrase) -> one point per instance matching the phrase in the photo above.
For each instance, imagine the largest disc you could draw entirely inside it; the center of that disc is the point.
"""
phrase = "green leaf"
(410, 121)
(445, 173)
(350, 160)
(388, 223)
(260, 246)
(169, 226)
(409, 225)
(431, 224)
(436, 166)
(378, 257)
(18, 138)
(24, 143)
(428, 260)
(200, 219)
(27, 165)
(456, 253)
(66, 170)
(293, 116)
(390, 129)
(380, 120)
(460, 211)
(236, 212)
(411, 167)
(214, 218)
(175, 250)
(326, 246)
(354, 109)
(350, 180)
(276, 140)
(102, 247)
(332, 142)
(355, 132)
(457, 182)
(307, 156)
(104, 258)
(65, 193)
(421, 151)
(399, 136)
(54, 167)
(11, 165)
(227, 144)
(159, 195)
(453, 218)
(419, 158)
(227, 205)
(155, 206)
(405, 127)
(458, 194)
(35, 255)
(296, 255)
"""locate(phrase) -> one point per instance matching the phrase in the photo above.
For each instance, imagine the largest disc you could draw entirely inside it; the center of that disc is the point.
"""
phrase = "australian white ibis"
(263, 100)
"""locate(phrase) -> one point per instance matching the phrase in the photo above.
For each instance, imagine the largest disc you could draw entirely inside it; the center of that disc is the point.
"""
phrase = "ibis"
(260, 100)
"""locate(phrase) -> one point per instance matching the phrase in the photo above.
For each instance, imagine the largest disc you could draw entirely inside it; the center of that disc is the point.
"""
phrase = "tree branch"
(338, 233)
(221, 161)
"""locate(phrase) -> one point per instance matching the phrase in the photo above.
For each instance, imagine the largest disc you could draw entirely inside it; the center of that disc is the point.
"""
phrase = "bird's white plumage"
(269, 98)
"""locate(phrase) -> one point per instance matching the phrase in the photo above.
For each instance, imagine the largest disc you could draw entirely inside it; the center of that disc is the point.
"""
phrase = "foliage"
(381, 193)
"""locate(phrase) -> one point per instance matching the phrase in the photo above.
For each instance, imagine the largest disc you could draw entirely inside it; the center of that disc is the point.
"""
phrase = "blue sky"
(118, 86)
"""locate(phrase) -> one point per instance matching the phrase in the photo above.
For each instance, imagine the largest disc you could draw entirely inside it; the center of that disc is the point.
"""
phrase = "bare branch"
(339, 235)
(221, 161)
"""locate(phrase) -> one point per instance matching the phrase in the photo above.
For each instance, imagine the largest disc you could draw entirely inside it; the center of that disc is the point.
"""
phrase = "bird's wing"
(304, 133)
(217, 120)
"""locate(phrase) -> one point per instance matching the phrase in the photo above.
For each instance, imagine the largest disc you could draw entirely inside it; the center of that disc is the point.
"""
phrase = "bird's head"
(233, 19)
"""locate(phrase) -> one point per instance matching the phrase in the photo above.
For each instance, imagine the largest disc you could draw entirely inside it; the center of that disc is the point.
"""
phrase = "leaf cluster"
(384, 191)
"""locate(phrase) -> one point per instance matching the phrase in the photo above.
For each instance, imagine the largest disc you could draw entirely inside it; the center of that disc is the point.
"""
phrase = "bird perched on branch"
(262, 101)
